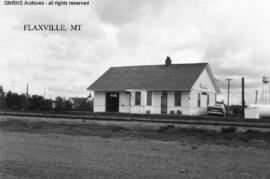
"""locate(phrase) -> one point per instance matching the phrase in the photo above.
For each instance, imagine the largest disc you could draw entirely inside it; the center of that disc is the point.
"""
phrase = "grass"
(227, 136)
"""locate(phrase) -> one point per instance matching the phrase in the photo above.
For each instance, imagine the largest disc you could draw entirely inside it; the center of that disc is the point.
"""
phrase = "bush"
(165, 128)
(228, 130)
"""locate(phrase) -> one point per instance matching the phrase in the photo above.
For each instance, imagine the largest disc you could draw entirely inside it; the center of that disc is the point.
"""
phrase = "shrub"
(165, 128)
(228, 130)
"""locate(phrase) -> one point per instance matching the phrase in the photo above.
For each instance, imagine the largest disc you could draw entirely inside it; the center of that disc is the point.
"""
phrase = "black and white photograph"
(126, 89)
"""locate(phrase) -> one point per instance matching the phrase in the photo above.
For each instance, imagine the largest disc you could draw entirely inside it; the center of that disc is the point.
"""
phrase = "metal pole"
(25, 99)
(243, 97)
(228, 98)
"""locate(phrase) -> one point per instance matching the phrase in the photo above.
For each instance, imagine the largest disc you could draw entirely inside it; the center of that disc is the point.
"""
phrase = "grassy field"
(60, 149)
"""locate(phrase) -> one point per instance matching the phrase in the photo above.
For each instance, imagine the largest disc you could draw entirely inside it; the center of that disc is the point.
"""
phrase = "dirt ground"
(43, 153)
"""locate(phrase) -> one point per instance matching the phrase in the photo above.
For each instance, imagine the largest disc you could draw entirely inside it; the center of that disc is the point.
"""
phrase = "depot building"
(156, 89)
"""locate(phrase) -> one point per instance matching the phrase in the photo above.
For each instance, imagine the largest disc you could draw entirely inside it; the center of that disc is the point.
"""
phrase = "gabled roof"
(150, 77)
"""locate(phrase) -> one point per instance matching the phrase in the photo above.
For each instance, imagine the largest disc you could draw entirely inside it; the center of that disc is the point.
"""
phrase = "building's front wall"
(155, 108)
(138, 108)
(124, 102)
(127, 102)
(189, 99)
(184, 108)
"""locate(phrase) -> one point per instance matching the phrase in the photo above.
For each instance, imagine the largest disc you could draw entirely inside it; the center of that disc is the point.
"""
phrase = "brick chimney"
(168, 61)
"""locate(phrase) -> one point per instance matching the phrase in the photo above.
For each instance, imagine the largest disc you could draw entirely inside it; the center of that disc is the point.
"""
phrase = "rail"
(166, 119)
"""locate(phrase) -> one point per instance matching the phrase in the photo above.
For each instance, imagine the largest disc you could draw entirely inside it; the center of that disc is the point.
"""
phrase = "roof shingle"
(150, 77)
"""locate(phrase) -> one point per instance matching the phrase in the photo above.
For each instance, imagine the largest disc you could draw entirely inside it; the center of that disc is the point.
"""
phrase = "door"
(164, 102)
(112, 102)
(204, 100)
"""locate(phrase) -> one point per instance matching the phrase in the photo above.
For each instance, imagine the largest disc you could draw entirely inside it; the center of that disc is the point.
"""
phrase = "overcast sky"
(232, 35)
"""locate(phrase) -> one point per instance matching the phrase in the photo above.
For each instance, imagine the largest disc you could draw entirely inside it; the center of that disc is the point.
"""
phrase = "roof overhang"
(213, 79)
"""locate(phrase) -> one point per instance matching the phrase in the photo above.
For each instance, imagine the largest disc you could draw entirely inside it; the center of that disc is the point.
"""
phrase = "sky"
(233, 36)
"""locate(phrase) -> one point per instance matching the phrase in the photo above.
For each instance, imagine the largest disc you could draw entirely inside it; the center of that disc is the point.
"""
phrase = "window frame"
(199, 100)
(177, 98)
(208, 99)
(138, 99)
(149, 95)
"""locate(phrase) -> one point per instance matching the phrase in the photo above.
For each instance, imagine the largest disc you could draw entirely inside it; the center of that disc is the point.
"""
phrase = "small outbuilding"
(157, 89)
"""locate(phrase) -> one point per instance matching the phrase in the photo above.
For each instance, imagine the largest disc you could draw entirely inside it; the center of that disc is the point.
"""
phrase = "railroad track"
(165, 119)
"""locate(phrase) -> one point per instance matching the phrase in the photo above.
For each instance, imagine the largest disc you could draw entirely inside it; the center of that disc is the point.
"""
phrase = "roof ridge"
(161, 65)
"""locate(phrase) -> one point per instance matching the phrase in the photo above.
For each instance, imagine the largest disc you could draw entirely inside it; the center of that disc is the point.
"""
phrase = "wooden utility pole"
(228, 98)
(256, 97)
(26, 97)
(243, 97)
(27, 89)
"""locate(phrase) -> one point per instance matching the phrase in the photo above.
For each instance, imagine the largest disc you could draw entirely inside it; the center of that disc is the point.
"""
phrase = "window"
(199, 100)
(149, 98)
(208, 99)
(137, 98)
(112, 95)
(177, 98)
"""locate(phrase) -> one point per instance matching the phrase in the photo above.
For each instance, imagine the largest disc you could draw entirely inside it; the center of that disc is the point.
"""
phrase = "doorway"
(112, 102)
(164, 102)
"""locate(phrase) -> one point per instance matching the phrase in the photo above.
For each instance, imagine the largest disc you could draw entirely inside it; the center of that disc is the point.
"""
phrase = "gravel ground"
(54, 155)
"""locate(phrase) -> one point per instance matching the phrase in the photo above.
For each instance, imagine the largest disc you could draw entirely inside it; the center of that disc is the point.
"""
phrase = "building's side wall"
(204, 79)
(205, 87)
(99, 101)
(194, 108)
